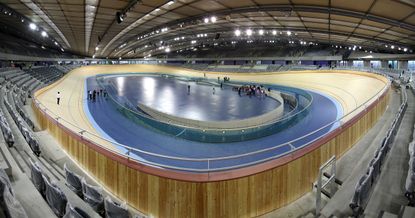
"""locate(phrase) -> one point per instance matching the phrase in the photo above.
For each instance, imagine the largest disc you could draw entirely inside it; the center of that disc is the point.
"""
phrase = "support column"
(366, 63)
(384, 64)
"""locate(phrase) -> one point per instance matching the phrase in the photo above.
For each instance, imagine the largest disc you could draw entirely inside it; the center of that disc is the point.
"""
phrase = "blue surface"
(171, 96)
(322, 111)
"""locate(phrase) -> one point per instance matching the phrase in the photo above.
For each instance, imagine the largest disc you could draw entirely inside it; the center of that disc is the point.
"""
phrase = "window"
(375, 64)
(411, 65)
(357, 63)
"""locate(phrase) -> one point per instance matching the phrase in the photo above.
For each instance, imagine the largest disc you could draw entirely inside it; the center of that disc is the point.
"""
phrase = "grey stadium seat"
(55, 198)
(73, 181)
(74, 212)
(92, 195)
(37, 177)
(376, 164)
(114, 209)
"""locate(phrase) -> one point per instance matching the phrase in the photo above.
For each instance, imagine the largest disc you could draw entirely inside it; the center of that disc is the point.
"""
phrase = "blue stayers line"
(339, 108)
(101, 132)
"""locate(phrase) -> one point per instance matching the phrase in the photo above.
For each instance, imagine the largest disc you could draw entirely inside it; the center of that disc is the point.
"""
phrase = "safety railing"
(203, 165)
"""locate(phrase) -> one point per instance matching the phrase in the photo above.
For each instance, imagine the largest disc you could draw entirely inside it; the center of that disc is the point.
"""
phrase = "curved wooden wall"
(163, 193)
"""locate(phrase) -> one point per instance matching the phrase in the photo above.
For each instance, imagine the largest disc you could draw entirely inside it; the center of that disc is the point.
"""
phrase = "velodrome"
(197, 108)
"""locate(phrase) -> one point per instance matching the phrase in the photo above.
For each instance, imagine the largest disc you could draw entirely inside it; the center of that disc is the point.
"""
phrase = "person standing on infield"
(58, 98)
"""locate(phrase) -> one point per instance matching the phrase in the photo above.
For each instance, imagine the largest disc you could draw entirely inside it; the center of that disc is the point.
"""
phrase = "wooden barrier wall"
(289, 178)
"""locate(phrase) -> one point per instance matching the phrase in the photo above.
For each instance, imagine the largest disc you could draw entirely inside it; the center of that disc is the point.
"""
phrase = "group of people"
(94, 94)
(225, 79)
(252, 90)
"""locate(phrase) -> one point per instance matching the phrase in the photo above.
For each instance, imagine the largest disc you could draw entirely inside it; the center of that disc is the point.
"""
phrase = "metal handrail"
(82, 132)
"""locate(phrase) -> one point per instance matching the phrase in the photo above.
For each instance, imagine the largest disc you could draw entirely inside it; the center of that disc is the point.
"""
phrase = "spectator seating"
(248, 68)
(410, 178)
(5, 129)
(367, 181)
(93, 196)
(74, 212)
(46, 74)
(73, 181)
(114, 209)
(55, 197)
(28, 135)
(15, 94)
(37, 177)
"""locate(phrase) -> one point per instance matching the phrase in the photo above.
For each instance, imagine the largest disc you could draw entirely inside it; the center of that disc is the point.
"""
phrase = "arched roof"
(90, 27)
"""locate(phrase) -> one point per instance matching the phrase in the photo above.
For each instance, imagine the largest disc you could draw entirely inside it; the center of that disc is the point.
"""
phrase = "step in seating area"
(366, 183)
(10, 206)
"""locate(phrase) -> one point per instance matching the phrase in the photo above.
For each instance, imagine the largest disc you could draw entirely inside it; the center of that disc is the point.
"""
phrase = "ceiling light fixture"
(213, 19)
(248, 32)
(121, 15)
(32, 26)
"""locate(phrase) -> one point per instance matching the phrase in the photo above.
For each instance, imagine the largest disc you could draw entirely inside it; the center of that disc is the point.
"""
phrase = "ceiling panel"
(383, 8)
(353, 5)
(185, 17)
